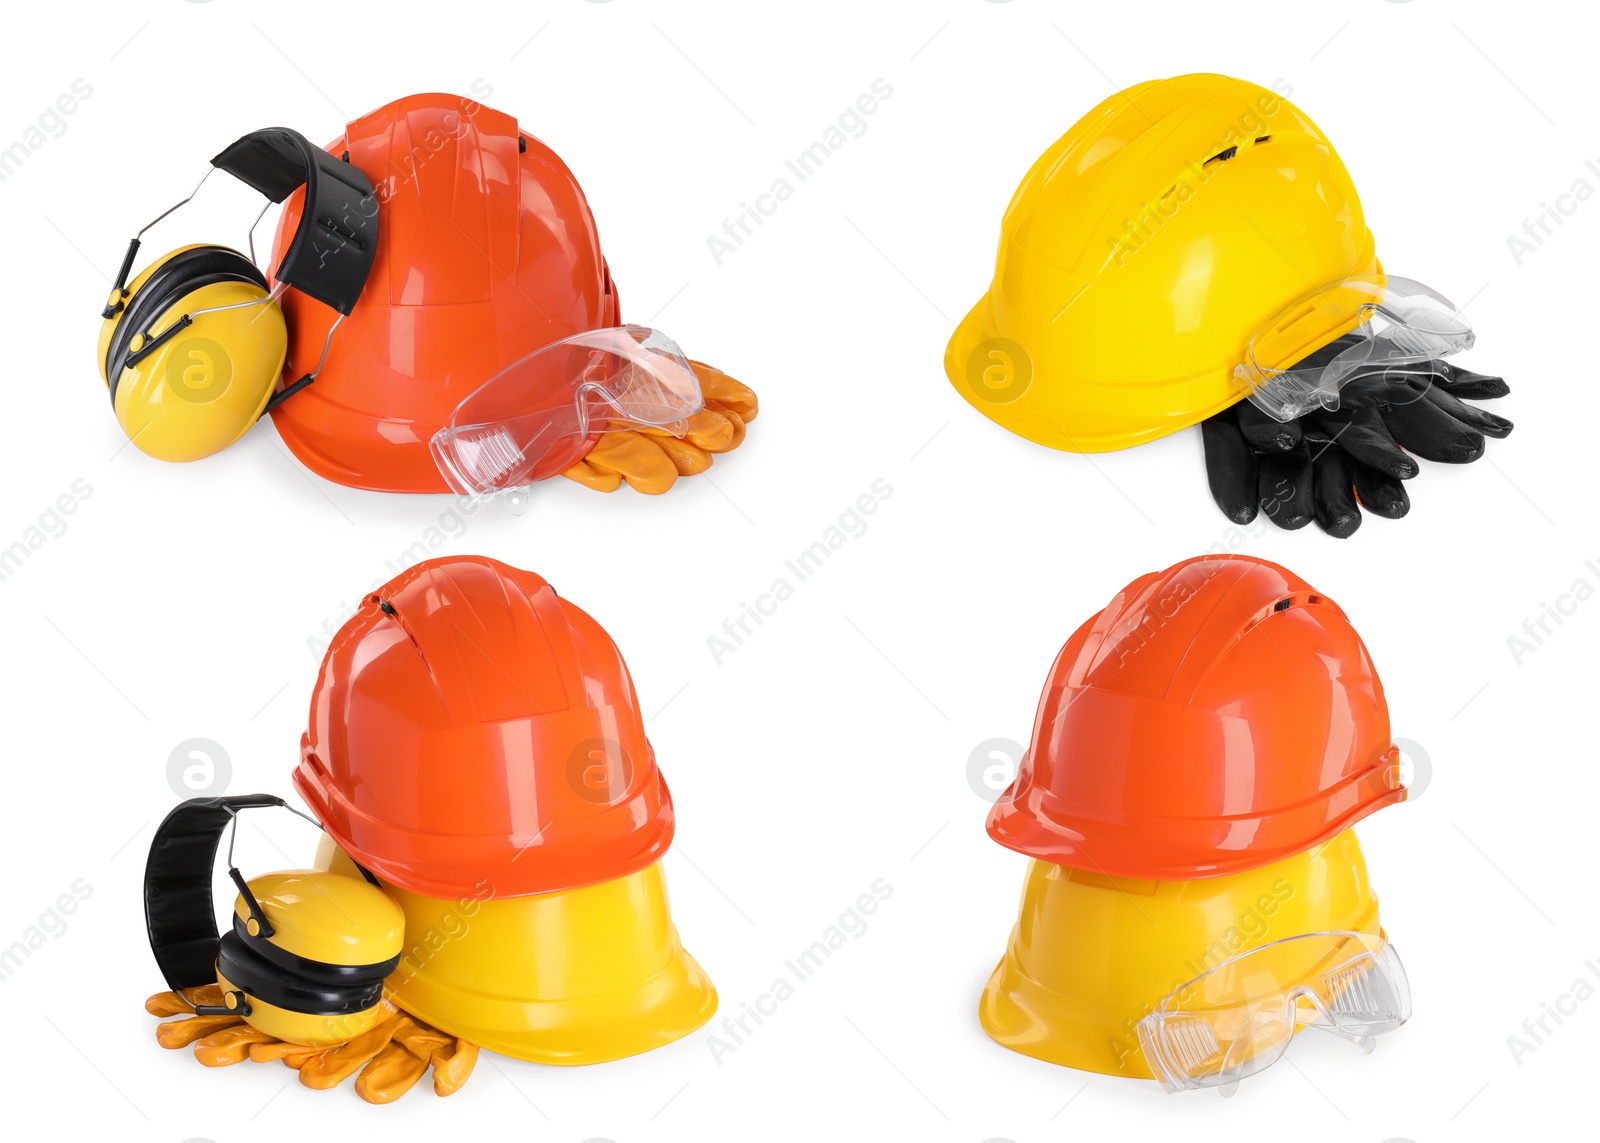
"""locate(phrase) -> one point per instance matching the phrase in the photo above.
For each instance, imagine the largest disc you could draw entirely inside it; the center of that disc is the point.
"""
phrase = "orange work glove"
(391, 1057)
(651, 458)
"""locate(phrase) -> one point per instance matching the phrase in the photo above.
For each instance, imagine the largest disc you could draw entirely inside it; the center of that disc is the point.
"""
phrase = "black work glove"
(1329, 464)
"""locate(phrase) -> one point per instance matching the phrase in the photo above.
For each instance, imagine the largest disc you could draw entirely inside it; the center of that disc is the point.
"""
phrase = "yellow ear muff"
(182, 392)
(310, 968)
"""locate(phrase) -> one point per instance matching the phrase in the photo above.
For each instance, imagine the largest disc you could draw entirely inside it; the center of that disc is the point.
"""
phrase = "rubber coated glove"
(651, 459)
(392, 1056)
(1329, 464)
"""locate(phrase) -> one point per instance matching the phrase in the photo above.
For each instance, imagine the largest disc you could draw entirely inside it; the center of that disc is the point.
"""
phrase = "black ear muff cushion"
(320, 972)
(254, 975)
(177, 276)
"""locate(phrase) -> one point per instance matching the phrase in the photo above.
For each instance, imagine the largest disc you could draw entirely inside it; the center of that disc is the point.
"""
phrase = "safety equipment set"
(1196, 893)
(489, 874)
(439, 287)
(1193, 251)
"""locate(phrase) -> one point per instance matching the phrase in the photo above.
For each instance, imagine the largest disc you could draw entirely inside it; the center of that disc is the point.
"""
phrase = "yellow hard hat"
(1143, 252)
(1091, 955)
(578, 976)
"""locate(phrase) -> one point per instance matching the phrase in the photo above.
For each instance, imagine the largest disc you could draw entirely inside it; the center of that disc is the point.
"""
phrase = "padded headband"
(179, 913)
(334, 245)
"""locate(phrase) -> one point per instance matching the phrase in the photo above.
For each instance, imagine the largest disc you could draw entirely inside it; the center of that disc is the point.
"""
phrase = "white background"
(832, 748)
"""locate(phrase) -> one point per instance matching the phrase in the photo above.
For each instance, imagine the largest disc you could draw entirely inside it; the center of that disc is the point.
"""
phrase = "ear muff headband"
(179, 913)
(180, 917)
(336, 240)
(332, 250)
(174, 278)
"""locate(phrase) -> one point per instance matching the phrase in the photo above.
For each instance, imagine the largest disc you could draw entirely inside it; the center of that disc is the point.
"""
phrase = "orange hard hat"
(1214, 717)
(473, 734)
(486, 252)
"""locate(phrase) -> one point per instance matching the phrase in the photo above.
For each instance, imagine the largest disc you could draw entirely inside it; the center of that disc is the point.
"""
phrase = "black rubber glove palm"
(1329, 464)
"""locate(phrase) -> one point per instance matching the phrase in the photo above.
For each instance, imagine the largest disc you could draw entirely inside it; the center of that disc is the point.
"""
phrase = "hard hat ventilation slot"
(1283, 605)
(1263, 138)
(1222, 156)
(392, 612)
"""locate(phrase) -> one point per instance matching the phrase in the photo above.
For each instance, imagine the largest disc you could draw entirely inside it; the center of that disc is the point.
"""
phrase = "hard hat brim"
(613, 844)
(1190, 850)
(1085, 434)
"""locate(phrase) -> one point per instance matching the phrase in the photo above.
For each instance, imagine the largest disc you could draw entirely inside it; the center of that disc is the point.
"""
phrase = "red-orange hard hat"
(486, 252)
(473, 734)
(1215, 717)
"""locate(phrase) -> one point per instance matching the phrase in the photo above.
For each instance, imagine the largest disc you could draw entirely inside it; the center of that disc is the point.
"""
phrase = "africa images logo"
(999, 371)
(199, 370)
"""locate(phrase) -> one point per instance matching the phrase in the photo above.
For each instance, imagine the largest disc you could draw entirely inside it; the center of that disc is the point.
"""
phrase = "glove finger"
(1231, 468)
(182, 1033)
(421, 1040)
(589, 476)
(168, 1004)
(1358, 428)
(390, 1074)
(1265, 433)
(1425, 429)
(280, 1050)
(685, 457)
(643, 465)
(1285, 490)
(230, 1046)
(1487, 423)
(330, 1068)
(1333, 498)
(733, 418)
(715, 385)
(1470, 386)
(453, 1066)
(1380, 493)
(709, 430)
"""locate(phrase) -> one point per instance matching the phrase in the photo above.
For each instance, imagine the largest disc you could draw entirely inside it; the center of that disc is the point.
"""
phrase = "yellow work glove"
(651, 459)
(392, 1056)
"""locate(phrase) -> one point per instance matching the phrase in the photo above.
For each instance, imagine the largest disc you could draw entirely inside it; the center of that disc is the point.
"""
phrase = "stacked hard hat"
(1202, 748)
(476, 745)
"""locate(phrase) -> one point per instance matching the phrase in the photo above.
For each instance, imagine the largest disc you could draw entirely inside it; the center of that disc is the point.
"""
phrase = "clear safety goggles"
(1238, 1018)
(537, 416)
(1397, 324)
